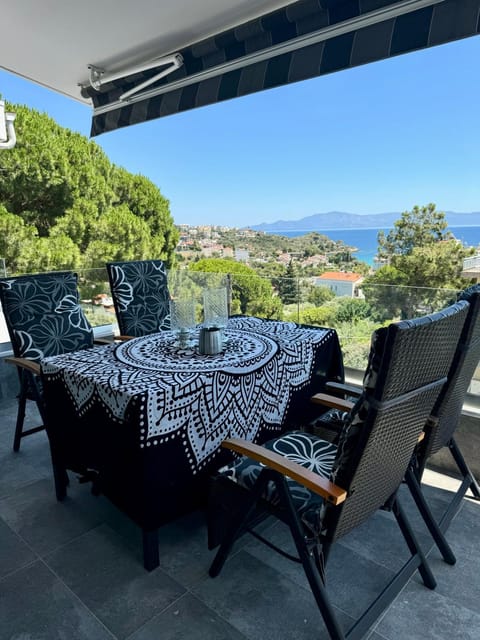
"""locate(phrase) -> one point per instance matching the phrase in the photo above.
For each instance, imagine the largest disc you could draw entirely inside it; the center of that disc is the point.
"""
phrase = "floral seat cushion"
(44, 316)
(303, 448)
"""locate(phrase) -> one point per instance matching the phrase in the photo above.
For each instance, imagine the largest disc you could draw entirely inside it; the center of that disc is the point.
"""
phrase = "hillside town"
(312, 254)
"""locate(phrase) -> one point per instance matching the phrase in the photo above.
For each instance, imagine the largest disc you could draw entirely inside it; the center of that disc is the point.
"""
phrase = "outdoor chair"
(442, 423)
(439, 429)
(322, 491)
(140, 296)
(44, 318)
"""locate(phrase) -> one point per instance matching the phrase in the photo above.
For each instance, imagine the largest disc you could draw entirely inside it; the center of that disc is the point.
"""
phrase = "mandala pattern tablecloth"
(171, 393)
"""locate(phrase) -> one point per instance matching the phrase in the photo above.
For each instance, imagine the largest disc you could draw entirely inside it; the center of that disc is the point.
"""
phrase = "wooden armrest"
(25, 363)
(112, 340)
(332, 402)
(340, 387)
(275, 461)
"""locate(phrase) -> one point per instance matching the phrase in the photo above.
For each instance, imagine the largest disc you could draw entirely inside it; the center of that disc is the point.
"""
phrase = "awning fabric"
(420, 28)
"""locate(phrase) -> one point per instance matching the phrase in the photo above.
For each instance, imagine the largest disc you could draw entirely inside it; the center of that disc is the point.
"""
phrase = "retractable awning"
(135, 61)
(297, 42)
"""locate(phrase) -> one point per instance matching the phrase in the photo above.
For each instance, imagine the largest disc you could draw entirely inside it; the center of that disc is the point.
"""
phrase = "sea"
(365, 240)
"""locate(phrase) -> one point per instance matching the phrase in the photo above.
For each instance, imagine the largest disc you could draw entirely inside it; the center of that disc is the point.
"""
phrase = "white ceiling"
(53, 41)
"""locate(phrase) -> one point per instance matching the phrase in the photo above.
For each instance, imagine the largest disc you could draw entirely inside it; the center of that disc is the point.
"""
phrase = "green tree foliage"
(118, 235)
(251, 294)
(351, 310)
(355, 339)
(15, 236)
(320, 295)
(420, 227)
(63, 189)
(288, 285)
(323, 316)
(145, 201)
(421, 258)
(47, 254)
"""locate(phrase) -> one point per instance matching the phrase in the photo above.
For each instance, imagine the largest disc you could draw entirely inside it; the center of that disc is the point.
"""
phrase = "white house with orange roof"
(342, 283)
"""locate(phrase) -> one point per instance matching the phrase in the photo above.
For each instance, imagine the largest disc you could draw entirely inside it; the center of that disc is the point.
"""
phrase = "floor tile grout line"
(77, 598)
(230, 624)
(43, 556)
(5, 496)
(8, 575)
(26, 543)
(174, 603)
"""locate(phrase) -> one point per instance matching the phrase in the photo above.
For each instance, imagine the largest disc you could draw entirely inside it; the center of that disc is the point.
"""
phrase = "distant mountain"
(342, 220)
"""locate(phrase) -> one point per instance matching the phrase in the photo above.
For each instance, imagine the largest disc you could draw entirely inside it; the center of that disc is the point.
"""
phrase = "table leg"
(60, 477)
(151, 558)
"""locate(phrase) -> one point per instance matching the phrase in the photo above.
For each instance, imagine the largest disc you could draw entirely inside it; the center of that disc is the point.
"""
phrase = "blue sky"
(377, 138)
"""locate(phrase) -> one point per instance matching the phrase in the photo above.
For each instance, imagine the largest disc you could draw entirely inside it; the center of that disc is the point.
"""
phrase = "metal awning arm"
(99, 77)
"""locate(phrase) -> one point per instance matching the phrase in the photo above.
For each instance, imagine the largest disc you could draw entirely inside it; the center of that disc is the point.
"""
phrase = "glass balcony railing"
(472, 263)
(354, 316)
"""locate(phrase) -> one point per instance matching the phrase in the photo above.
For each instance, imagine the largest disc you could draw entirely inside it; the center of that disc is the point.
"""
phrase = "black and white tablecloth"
(167, 392)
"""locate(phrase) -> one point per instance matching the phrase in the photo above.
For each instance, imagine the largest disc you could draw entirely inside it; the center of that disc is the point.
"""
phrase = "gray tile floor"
(74, 569)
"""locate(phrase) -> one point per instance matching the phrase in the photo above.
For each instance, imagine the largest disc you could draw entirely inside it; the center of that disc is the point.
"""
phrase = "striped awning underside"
(445, 21)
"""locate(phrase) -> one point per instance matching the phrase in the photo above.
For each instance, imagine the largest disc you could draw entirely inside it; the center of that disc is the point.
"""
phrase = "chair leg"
(310, 564)
(418, 556)
(151, 558)
(464, 468)
(237, 522)
(427, 515)
(22, 403)
(28, 384)
(241, 518)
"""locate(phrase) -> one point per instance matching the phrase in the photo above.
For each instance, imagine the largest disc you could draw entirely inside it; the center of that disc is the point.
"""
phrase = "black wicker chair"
(44, 318)
(323, 491)
(439, 429)
(441, 426)
(140, 296)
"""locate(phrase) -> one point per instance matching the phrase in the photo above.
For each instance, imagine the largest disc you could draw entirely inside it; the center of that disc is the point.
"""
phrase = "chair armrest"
(25, 363)
(307, 478)
(342, 388)
(112, 340)
(332, 402)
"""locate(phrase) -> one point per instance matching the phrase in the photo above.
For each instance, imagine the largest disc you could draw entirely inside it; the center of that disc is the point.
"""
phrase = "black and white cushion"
(44, 316)
(140, 295)
(300, 447)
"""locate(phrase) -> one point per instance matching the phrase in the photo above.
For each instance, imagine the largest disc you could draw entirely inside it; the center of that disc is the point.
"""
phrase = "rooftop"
(74, 569)
(341, 276)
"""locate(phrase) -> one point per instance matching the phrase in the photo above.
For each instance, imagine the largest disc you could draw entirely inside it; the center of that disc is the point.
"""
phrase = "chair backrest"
(43, 315)
(140, 295)
(448, 407)
(408, 366)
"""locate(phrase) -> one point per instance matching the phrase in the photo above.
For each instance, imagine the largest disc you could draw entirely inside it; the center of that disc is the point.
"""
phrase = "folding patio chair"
(44, 318)
(140, 296)
(439, 429)
(442, 423)
(321, 490)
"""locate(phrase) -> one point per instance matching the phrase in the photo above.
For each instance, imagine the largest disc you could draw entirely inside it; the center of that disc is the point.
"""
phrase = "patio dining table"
(144, 419)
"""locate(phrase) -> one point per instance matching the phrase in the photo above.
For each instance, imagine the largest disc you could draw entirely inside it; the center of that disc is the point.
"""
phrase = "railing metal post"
(298, 298)
(229, 293)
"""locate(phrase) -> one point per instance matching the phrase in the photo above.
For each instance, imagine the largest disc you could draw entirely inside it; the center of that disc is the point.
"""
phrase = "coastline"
(363, 241)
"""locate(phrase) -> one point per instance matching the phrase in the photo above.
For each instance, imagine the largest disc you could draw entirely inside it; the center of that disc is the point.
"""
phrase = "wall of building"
(338, 287)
